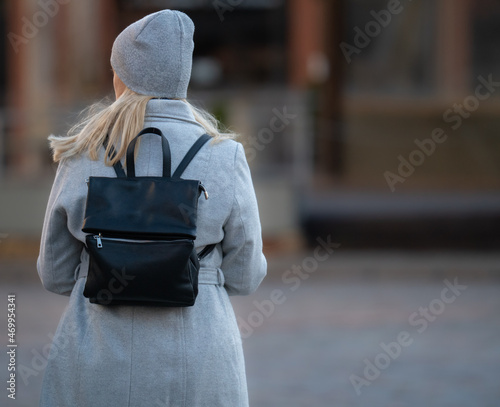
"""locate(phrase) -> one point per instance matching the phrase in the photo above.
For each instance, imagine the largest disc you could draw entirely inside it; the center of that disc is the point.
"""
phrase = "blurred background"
(369, 124)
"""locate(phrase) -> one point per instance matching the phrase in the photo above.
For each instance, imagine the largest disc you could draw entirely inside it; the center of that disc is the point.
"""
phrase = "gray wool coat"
(155, 357)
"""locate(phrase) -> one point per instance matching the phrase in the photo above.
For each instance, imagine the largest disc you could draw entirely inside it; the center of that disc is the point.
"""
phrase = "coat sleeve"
(243, 263)
(60, 250)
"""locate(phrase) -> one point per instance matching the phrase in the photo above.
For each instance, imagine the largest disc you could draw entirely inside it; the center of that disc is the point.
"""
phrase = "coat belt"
(207, 275)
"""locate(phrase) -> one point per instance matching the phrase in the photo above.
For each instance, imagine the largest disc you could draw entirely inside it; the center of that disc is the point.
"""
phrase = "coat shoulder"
(227, 151)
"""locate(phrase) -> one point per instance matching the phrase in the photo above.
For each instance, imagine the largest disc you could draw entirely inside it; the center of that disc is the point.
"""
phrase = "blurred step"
(468, 221)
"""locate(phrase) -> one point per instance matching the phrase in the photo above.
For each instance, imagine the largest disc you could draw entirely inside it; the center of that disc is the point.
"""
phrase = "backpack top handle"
(165, 148)
(166, 155)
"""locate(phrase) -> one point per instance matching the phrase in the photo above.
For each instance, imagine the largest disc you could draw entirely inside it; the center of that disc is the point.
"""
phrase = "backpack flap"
(146, 206)
(149, 207)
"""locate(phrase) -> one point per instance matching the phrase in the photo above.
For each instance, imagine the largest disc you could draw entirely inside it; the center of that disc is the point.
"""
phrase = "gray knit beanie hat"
(154, 55)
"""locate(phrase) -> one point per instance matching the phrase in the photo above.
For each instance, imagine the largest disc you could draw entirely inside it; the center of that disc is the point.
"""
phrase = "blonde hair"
(120, 122)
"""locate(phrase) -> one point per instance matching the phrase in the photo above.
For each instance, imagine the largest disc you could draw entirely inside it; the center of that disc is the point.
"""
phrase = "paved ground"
(339, 319)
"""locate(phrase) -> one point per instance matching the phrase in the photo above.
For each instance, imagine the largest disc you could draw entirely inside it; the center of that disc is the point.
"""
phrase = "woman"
(144, 356)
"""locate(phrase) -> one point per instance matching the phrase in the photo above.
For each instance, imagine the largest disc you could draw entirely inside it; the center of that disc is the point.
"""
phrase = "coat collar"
(169, 109)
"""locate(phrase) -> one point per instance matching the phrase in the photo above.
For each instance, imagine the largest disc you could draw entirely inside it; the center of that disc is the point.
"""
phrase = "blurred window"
(3, 86)
(201, 4)
(247, 46)
(486, 38)
(3, 54)
(396, 54)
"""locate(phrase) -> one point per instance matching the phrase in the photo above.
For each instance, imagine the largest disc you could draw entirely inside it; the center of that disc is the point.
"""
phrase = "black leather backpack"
(141, 233)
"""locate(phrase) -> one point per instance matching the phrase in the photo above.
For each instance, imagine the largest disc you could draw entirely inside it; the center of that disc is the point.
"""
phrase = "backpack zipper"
(100, 239)
(202, 187)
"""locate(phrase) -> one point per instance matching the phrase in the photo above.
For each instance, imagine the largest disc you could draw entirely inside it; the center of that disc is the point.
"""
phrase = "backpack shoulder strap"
(206, 251)
(190, 155)
(120, 172)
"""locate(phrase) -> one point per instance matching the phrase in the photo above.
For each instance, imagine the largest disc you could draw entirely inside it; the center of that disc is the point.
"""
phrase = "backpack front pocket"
(141, 272)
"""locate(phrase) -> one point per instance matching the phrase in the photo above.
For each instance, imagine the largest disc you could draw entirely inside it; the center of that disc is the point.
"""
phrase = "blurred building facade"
(331, 96)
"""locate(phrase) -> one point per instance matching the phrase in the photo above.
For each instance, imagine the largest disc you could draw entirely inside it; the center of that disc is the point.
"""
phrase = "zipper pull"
(202, 187)
(99, 241)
